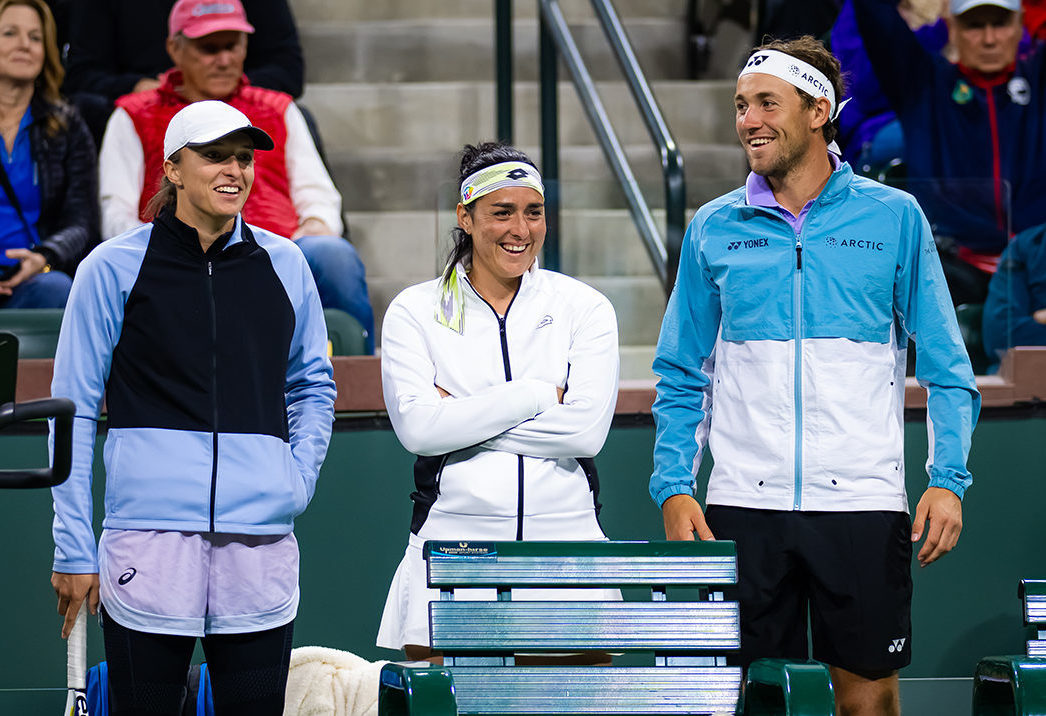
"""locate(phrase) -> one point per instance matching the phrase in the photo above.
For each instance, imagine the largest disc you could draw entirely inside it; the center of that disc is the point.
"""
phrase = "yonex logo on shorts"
(750, 244)
(896, 646)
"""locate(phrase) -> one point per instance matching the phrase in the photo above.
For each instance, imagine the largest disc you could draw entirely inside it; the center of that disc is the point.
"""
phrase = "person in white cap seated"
(293, 196)
(975, 130)
(206, 339)
(782, 352)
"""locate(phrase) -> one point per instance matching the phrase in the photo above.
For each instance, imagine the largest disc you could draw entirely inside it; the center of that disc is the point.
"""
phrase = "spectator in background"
(1035, 19)
(980, 124)
(1015, 311)
(293, 195)
(786, 19)
(117, 47)
(48, 208)
(869, 132)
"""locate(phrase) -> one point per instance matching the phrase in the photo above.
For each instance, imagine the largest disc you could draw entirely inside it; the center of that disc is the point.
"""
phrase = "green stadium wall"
(354, 532)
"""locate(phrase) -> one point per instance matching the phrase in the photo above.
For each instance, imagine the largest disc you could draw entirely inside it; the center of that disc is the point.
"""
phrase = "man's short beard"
(785, 163)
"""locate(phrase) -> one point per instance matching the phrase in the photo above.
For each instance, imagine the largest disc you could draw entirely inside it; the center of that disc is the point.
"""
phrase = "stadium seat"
(36, 329)
(345, 335)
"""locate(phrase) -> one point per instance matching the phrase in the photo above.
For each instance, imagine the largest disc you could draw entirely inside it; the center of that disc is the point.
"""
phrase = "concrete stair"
(398, 87)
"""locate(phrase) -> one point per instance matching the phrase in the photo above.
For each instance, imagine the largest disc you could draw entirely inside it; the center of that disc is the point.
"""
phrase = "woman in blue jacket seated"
(502, 378)
(207, 340)
(49, 202)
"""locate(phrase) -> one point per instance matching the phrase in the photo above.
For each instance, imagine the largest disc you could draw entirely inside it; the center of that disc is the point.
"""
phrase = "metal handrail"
(61, 410)
(663, 252)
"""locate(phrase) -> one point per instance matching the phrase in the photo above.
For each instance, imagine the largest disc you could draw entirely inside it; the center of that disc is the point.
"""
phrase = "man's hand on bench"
(683, 517)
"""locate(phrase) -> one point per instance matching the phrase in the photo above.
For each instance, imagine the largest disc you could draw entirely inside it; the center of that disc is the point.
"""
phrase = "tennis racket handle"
(76, 656)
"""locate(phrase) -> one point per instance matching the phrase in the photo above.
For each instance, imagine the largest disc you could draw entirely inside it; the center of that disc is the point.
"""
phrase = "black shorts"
(851, 571)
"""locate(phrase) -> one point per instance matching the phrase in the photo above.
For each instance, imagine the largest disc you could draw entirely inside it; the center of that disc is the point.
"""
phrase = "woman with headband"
(502, 378)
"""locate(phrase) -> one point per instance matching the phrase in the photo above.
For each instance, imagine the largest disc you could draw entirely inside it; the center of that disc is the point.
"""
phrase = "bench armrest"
(416, 689)
(776, 687)
(1009, 685)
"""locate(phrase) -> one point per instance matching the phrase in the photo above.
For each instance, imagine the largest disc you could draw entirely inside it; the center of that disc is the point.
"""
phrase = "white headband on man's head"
(795, 72)
(500, 176)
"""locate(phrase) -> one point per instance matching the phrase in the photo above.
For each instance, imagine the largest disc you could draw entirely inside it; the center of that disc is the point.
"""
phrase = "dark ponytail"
(474, 158)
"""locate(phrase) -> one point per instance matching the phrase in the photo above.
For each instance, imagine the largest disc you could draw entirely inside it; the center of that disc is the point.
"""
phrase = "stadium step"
(398, 87)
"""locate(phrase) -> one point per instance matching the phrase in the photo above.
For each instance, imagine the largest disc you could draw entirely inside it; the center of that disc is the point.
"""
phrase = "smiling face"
(777, 132)
(986, 38)
(213, 181)
(21, 44)
(211, 65)
(508, 230)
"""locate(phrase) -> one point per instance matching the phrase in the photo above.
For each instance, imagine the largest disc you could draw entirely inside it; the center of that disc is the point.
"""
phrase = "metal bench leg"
(1009, 686)
(775, 687)
(416, 690)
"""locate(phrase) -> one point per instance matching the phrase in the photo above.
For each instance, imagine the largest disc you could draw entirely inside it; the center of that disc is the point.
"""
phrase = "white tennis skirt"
(406, 616)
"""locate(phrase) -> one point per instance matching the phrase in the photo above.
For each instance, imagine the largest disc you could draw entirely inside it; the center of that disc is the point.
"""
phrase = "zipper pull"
(798, 255)
(210, 272)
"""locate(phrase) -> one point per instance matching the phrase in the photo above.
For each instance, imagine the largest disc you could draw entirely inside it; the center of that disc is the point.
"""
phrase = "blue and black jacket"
(218, 389)
(984, 138)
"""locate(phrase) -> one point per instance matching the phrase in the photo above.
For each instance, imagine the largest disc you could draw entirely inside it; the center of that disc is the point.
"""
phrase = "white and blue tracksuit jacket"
(219, 393)
(784, 353)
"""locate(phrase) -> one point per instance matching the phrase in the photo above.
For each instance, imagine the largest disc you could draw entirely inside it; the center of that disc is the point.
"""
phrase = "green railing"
(557, 41)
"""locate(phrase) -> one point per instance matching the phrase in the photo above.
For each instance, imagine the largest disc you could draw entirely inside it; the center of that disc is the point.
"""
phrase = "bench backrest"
(689, 639)
(1033, 594)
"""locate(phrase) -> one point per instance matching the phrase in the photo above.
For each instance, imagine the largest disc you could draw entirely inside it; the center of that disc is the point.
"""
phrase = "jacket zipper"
(214, 387)
(797, 308)
(993, 125)
(502, 334)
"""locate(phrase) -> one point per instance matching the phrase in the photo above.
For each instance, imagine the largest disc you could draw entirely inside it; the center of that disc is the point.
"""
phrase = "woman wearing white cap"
(207, 340)
(502, 378)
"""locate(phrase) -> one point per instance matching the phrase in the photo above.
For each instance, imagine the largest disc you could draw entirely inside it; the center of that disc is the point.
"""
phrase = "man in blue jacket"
(975, 129)
(783, 350)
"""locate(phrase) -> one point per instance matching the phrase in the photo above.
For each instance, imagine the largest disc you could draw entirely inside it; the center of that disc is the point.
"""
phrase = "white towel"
(328, 682)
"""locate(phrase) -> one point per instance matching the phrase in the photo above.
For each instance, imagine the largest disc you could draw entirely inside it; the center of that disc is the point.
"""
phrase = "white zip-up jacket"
(785, 352)
(502, 449)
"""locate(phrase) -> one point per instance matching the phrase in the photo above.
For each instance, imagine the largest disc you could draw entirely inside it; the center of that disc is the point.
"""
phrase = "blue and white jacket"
(219, 393)
(785, 354)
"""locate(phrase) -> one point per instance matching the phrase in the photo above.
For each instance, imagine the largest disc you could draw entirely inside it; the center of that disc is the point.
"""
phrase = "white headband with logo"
(500, 176)
(795, 72)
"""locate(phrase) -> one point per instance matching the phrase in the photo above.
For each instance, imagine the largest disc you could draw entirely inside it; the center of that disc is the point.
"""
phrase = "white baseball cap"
(208, 121)
(961, 6)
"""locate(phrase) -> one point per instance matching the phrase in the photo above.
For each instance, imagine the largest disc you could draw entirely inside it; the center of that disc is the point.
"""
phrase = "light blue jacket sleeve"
(684, 363)
(310, 389)
(90, 330)
(942, 366)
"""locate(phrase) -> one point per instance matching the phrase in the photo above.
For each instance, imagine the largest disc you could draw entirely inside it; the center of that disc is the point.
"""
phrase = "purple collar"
(759, 193)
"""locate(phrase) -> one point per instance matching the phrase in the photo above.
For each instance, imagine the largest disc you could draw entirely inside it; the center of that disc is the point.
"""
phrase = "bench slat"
(555, 626)
(613, 572)
(548, 564)
(596, 690)
(1034, 609)
(1037, 648)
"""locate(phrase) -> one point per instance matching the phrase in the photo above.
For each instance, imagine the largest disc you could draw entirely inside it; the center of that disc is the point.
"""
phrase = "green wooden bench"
(1016, 685)
(686, 641)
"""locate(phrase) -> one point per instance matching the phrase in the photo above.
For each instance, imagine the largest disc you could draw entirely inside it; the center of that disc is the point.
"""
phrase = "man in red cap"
(293, 195)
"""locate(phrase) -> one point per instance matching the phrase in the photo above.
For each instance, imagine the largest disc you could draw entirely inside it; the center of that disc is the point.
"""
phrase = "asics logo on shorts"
(896, 646)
